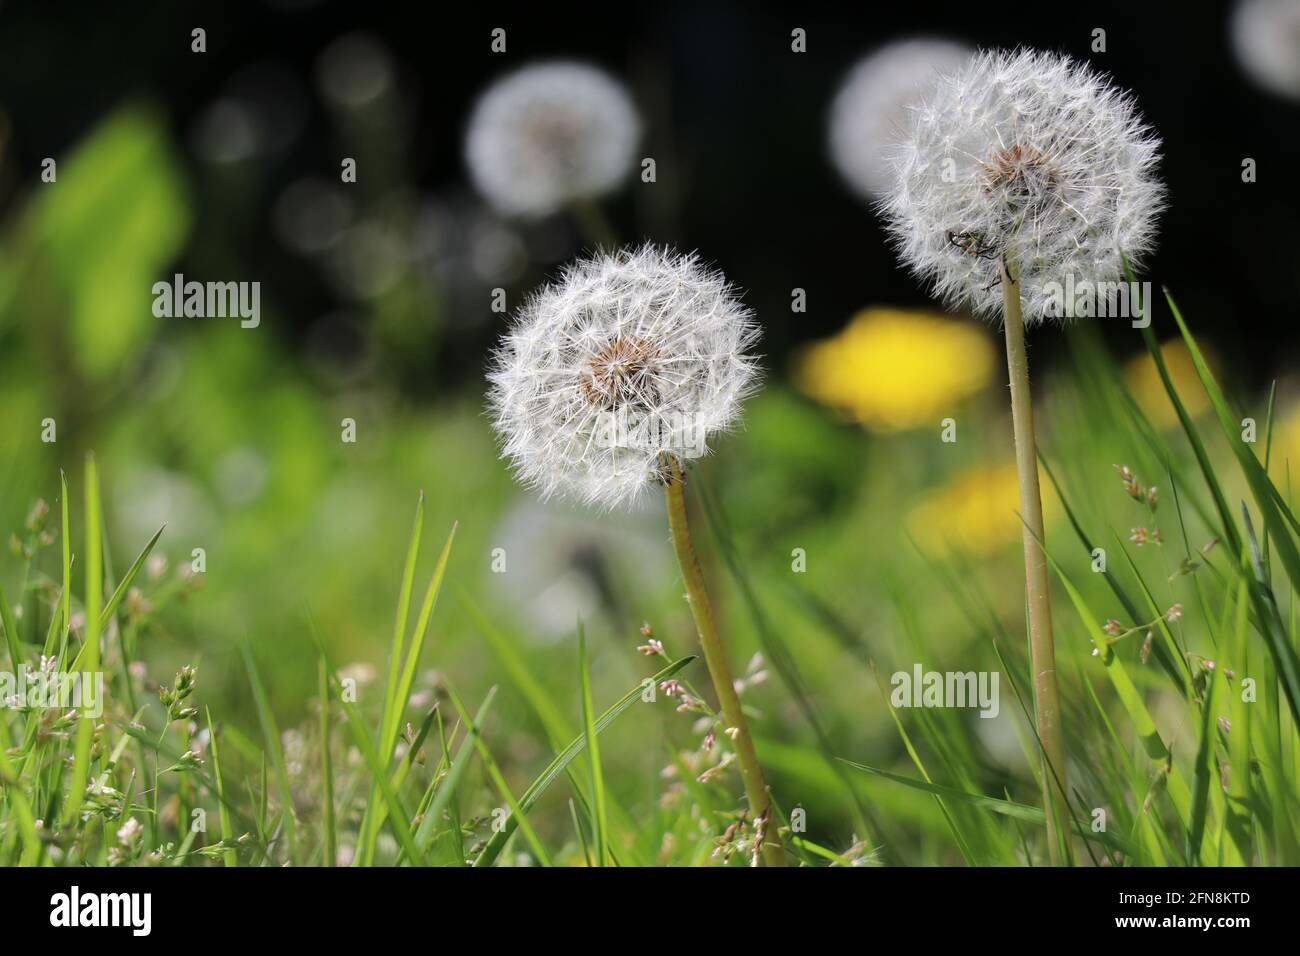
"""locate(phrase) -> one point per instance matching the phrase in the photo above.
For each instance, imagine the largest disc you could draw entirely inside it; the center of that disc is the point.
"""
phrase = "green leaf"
(104, 234)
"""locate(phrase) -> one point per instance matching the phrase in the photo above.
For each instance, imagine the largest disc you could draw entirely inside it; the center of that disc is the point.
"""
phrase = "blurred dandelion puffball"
(870, 112)
(1266, 40)
(626, 359)
(1029, 157)
(549, 134)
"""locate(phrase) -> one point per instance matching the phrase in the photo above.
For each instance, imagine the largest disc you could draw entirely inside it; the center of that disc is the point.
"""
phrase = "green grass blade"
(599, 821)
(1229, 527)
(403, 610)
(402, 695)
(15, 794)
(230, 856)
(66, 554)
(499, 779)
(449, 783)
(89, 656)
(120, 592)
(326, 764)
(398, 816)
(1143, 723)
(1019, 811)
(558, 765)
(271, 736)
(10, 626)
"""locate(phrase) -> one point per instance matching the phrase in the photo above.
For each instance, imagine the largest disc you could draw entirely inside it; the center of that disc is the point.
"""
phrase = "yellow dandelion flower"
(893, 369)
(1143, 382)
(1286, 450)
(976, 512)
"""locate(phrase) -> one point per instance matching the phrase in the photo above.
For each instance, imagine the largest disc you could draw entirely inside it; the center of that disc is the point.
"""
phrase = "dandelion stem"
(1042, 653)
(715, 656)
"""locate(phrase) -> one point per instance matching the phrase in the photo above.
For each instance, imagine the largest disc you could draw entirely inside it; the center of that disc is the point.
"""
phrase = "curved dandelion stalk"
(1023, 175)
(715, 657)
(608, 383)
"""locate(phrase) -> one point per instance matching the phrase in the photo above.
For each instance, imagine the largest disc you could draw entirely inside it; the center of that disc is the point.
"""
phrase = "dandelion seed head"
(870, 112)
(548, 134)
(1031, 156)
(626, 359)
(1266, 40)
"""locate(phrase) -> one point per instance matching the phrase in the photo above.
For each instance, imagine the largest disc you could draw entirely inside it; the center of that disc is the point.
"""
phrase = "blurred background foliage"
(376, 307)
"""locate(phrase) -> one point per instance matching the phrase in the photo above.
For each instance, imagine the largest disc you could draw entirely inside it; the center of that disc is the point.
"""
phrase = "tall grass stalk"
(1042, 653)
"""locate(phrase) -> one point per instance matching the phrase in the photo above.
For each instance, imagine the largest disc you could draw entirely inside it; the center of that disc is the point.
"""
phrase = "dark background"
(734, 118)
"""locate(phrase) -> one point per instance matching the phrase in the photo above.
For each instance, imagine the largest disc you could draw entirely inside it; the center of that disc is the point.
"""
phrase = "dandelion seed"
(870, 112)
(627, 358)
(1029, 158)
(549, 134)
